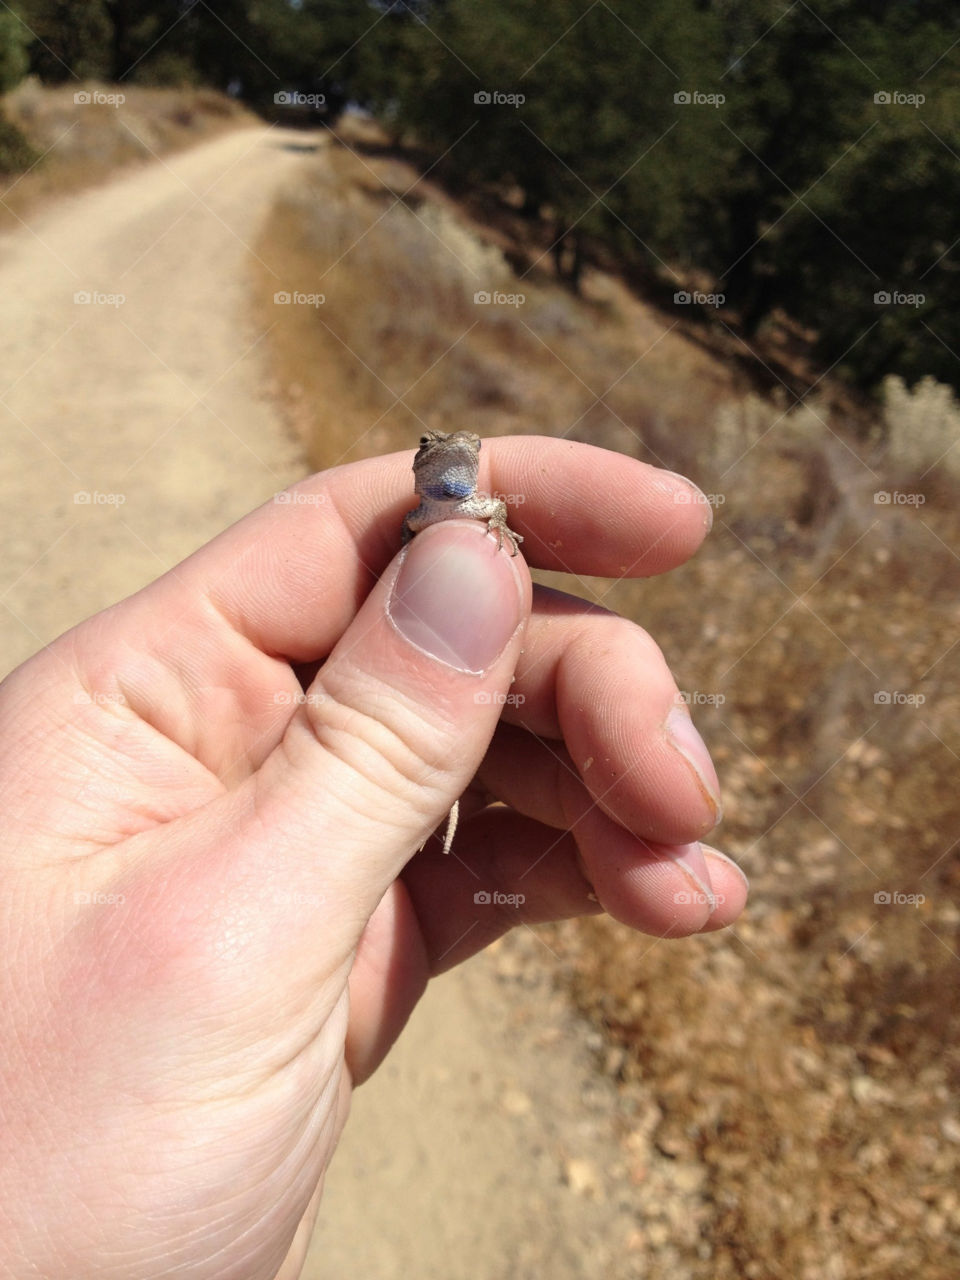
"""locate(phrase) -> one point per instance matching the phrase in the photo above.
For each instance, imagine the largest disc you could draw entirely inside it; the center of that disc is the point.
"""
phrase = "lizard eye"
(424, 440)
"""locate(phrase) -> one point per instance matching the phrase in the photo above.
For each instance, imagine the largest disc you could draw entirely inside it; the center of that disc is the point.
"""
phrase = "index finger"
(291, 575)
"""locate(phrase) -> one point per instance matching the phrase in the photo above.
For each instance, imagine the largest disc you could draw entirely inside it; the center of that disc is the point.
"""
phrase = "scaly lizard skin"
(445, 480)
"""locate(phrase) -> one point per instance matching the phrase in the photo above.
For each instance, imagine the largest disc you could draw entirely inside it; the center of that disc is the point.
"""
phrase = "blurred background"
(240, 240)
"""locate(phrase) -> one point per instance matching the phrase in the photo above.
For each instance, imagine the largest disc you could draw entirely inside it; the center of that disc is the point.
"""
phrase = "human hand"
(215, 918)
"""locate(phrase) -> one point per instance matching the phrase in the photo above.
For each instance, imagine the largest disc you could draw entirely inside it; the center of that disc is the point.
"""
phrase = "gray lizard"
(445, 479)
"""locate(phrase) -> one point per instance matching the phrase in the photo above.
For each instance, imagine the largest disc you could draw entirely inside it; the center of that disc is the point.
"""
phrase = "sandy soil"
(135, 430)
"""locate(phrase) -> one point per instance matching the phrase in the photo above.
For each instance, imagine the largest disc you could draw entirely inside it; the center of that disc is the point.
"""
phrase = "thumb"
(399, 716)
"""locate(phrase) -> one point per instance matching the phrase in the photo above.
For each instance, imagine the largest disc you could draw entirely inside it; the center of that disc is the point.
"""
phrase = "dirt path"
(148, 406)
(135, 430)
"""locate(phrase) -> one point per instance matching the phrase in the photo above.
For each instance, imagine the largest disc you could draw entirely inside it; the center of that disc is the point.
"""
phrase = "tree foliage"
(801, 157)
(14, 59)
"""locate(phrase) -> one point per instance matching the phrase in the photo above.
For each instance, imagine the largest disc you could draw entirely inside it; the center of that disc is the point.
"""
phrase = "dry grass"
(81, 143)
(923, 428)
(793, 1080)
(399, 343)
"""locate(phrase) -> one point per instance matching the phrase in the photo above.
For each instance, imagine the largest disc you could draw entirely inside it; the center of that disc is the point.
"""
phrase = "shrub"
(923, 426)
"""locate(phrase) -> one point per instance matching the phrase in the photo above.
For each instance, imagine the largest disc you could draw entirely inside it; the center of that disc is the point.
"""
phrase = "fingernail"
(690, 859)
(710, 852)
(696, 496)
(457, 597)
(683, 736)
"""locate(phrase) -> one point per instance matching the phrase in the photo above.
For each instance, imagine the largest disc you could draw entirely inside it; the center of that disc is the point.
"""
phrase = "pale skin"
(214, 920)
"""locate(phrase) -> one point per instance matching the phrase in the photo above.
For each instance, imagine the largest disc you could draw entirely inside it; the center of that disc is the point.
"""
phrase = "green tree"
(16, 154)
(846, 184)
(15, 38)
(872, 267)
(590, 141)
(147, 42)
(71, 41)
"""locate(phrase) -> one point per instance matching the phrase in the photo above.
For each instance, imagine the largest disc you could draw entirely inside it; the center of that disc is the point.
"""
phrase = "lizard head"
(456, 449)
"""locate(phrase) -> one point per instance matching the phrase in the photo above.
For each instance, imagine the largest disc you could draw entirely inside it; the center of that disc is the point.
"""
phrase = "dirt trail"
(134, 431)
(148, 405)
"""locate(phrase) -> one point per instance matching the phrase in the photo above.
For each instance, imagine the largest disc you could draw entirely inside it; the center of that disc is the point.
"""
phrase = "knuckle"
(378, 743)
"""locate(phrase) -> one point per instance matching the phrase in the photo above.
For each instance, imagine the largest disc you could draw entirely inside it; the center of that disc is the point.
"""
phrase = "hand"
(215, 919)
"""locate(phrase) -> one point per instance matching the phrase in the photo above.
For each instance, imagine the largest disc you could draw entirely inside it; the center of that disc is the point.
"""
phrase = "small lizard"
(445, 473)
(445, 479)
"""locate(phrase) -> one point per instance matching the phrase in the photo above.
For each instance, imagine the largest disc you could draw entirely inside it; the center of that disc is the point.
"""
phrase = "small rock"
(516, 1103)
(582, 1177)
